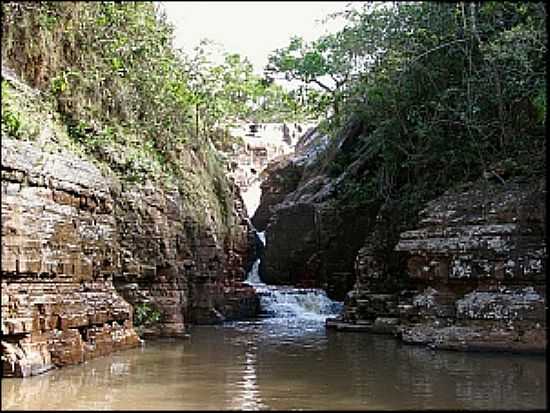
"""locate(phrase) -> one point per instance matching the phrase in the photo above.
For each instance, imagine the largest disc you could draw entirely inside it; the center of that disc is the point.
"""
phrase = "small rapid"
(289, 303)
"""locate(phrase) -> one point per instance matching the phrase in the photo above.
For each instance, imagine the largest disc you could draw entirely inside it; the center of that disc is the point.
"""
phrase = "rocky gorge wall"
(59, 305)
(478, 261)
(311, 240)
(470, 276)
(83, 250)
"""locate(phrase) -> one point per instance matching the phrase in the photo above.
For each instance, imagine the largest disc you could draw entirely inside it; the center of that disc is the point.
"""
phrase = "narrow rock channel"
(355, 220)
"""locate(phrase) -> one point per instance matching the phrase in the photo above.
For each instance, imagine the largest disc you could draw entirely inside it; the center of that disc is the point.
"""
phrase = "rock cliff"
(474, 273)
(477, 261)
(311, 240)
(471, 275)
(59, 305)
(84, 250)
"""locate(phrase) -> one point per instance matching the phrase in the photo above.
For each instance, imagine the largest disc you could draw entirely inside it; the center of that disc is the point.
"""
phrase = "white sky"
(250, 28)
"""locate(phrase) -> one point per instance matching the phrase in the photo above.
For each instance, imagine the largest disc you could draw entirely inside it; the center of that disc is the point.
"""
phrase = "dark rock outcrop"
(471, 276)
(310, 240)
(281, 178)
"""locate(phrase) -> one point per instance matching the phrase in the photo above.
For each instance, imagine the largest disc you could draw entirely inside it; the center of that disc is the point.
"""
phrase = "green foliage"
(146, 314)
(104, 63)
(539, 101)
(324, 66)
(16, 104)
(10, 120)
(111, 65)
(127, 98)
(442, 92)
(231, 92)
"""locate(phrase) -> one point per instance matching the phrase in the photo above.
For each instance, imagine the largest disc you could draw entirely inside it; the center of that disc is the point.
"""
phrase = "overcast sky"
(252, 29)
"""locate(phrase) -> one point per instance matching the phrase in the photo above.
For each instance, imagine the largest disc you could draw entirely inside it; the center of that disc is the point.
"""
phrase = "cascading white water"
(253, 277)
(286, 302)
(303, 303)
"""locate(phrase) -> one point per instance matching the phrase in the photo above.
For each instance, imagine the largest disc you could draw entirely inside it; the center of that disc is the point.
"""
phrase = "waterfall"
(303, 303)
(285, 302)
(253, 277)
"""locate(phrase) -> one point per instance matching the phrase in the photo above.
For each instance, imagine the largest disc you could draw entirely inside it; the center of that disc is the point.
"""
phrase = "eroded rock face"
(59, 305)
(172, 261)
(70, 236)
(282, 177)
(476, 272)
(311, 241)
(380, 283)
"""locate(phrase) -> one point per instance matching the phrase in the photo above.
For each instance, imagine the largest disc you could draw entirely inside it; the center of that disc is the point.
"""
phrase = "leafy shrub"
(146, 314)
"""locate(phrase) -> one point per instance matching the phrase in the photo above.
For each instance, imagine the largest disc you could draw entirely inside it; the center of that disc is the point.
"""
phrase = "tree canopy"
(444, 91)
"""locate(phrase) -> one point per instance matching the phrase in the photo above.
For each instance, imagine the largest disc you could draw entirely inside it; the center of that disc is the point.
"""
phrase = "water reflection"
(272, 365)
(249, 397)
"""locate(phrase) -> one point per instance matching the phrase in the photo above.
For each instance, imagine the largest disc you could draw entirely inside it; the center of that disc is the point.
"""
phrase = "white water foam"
(287, 302)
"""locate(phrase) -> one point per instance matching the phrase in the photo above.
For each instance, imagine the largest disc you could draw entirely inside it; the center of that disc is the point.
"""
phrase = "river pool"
(285, 364)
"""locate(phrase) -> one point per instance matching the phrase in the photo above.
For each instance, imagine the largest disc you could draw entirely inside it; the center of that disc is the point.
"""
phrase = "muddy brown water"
(285, 364)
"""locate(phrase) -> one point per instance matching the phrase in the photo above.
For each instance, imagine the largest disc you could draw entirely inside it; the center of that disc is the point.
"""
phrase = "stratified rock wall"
(475, 274)
(69, 235)
(59, 255)
(478, 260)
(471, 276)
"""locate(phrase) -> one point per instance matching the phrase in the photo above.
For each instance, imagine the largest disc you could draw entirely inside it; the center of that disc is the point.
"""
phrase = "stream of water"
(269, 364)
(286, 359)
(286, 303)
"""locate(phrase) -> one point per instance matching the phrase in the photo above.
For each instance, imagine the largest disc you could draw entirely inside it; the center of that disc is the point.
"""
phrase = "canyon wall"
(478, 262)
(59, 256)
(470, 274)
(474, 276)
(87, 253)
(311, 240)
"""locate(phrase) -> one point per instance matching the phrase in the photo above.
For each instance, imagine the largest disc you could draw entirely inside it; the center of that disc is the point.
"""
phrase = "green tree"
(322, 65)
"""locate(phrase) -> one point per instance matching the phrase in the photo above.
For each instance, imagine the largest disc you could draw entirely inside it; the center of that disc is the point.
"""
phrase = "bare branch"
(316, 81)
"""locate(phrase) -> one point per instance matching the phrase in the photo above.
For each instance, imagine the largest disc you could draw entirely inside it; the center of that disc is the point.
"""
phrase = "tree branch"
(316, 81)
(436, 48)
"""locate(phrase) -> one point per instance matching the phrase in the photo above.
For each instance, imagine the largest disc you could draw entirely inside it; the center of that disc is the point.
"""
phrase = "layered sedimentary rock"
(471, 275)
(59, 305)
(179, 264)
(478, 260)
(69, 234)
(475, 273)
(379, 284)
(84, 249)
